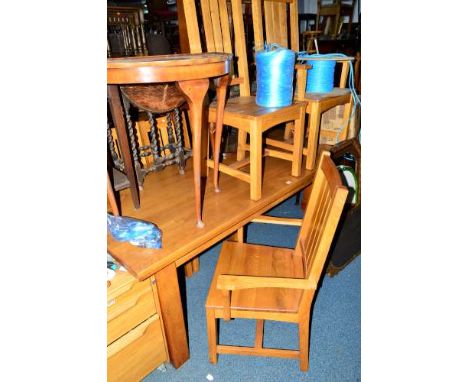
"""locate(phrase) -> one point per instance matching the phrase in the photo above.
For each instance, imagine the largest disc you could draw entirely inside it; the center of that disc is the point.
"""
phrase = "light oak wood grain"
(136, 354)
(167, 200)
(127, 310)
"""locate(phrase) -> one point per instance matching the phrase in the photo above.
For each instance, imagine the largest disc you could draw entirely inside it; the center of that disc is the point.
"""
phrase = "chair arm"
(235, 282)
(277, 220)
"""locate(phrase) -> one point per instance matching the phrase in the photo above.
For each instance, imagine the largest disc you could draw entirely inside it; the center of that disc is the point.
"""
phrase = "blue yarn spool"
(275, 75)
(320, 77)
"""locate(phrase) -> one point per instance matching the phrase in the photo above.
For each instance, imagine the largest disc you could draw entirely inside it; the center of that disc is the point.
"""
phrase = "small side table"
(191, 72)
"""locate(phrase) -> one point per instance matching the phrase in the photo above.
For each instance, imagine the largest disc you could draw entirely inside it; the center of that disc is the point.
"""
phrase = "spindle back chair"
(271, 283)
(224, 30)
(125, 31)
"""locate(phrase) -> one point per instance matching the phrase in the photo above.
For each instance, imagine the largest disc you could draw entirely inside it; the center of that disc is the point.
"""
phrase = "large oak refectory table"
(167, 200)
(192, 73)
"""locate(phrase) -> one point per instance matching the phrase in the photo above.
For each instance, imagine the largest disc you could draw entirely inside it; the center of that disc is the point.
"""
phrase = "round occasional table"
(192, 73)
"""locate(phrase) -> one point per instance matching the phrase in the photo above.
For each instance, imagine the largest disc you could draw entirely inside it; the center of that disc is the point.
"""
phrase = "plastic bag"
(137, 232)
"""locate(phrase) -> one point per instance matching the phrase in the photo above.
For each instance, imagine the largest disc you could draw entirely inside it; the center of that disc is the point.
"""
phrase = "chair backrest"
(321, 217)
(223, 26)
(277, 23)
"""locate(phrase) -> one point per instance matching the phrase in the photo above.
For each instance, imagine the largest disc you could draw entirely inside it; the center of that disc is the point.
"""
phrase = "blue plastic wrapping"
(137, 232)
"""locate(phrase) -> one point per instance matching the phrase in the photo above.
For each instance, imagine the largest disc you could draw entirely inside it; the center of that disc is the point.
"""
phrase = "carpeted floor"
(335, 348)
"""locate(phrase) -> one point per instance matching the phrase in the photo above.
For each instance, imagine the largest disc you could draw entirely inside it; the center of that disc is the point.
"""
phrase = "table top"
(167, 68)
(168, 201)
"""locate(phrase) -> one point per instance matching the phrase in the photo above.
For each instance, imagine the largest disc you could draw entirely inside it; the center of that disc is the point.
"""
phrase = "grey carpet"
(335, 346)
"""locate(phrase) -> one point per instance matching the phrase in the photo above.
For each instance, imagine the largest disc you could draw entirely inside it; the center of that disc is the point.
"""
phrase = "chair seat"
(258, 260)
(336, 92)
(246, 108)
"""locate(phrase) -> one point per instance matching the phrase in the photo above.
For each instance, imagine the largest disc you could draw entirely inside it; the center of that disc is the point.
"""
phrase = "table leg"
(117, 116)
(195, 91)
(173, 315)
(221, 90)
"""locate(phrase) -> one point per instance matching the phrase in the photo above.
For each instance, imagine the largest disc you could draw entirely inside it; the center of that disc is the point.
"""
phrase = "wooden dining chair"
(317, 105)
(270, 283)
(242, 112)
(335, 9)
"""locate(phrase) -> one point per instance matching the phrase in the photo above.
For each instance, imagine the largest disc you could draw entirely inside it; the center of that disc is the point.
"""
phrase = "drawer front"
(129, 309)
(137, 353)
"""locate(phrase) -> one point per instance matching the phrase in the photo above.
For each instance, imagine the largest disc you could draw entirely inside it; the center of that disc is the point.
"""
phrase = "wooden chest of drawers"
(136, 343)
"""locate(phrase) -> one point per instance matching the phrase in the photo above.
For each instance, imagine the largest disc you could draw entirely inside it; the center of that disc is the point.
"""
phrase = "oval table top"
(166, 68)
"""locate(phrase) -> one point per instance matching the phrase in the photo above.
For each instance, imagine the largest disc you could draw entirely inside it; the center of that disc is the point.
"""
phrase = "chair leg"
(188, 269)
(298, 144)
(343, 135)
(287, 131)
(304, 333)
(237, 236)
(336, 24)
(259, 334)
(212, 335)
(312, 140)
(256, 163)
(191, 267)
(350, 23)
(241, 141)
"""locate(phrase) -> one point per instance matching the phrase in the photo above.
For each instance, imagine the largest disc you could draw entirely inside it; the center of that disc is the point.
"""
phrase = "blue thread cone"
(275, 75)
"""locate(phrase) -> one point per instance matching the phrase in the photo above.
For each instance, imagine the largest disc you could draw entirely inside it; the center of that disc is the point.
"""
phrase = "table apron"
(152, 74)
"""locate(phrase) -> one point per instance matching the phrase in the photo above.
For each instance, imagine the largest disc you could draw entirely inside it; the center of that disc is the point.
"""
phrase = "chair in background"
(335, 9)
(309, 40)
(242, 112)
(125, 31)
(270, 283)
(317, 104)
